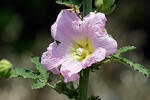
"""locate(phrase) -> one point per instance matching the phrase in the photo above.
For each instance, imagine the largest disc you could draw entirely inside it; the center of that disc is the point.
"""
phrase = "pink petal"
(94, 23)
(62, 29)
(55, 71)
(71, 66)
(98, 55)
(70, 69)
(68, 78)
(106, 42)
(54, 56)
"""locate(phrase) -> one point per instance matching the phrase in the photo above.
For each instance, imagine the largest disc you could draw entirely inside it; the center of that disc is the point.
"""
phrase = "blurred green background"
(25, 32)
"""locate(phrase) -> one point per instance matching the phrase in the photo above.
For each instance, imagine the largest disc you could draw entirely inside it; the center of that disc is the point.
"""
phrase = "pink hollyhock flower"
(82, 43)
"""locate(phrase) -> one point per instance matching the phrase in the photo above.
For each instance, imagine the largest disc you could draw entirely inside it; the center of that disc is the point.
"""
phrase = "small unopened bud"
(5, 68)
(98, 3)
(105, 6)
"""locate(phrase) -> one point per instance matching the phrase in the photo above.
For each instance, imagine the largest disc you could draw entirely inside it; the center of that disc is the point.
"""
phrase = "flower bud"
(105, 6)
(98, 3)
(5, 68)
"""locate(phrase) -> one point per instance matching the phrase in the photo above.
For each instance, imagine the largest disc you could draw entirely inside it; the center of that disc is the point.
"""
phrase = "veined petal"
(62, 29)
(71, 78)
(94, 23)
(71, 67)
(93, 19)
(54, 56)
(98, 55)
(55, 71)
(106, 42)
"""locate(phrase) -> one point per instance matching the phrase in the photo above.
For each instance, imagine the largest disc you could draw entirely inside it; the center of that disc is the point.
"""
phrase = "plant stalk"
(83, 85)
(87, 7)
(84, 75)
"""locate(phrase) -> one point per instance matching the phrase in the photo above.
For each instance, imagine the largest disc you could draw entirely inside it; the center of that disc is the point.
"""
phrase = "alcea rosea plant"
(81, 44)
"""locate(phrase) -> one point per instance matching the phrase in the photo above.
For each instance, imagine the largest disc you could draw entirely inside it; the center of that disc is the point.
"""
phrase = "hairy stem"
(50, 86)
(87, 7)
(83, 85)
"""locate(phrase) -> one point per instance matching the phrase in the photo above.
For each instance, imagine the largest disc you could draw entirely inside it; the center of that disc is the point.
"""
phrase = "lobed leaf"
(117, 57)
(36, 61)
(21, 72)
(40, 68)
(40, 77)
(38, 84)
(125, 49)
(134, 65)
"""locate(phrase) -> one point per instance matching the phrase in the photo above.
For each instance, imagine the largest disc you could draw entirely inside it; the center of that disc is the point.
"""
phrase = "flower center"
(82, 49)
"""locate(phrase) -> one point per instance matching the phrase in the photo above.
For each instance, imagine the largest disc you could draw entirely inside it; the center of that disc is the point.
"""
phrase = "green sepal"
(62, 88)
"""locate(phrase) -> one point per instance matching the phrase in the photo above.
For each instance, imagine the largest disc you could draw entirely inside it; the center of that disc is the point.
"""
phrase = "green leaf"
(40, 77)
(117, 57)
(40, 68)
(44, 75)
(21, 72)
(134, 65)
(36, 61)
(125, 49)
(38, 84)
